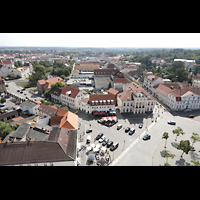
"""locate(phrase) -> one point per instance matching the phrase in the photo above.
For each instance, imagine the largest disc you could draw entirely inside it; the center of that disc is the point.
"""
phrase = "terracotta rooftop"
(96, 99)
(46, 83)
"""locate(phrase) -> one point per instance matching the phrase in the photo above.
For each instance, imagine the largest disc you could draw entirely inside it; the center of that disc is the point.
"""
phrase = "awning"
(99, 113)
(104, 118)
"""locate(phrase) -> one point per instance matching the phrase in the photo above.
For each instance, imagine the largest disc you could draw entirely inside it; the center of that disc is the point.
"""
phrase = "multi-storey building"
(134, 99)
(178, 96)
(97, 104)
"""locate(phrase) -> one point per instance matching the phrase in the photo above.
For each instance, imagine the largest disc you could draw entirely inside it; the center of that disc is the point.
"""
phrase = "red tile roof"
(48, 82)
(73, 90)
(97, 99)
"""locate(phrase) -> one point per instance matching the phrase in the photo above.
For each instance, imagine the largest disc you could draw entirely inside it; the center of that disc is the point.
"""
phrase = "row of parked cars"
(105, 141)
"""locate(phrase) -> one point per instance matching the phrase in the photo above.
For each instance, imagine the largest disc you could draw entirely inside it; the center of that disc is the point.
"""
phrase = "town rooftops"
(137, 89)
(67, 120)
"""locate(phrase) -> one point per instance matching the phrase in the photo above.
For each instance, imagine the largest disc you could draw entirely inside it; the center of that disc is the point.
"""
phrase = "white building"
(189, 64)
(178, 96)
(134, 99)
(97, 103)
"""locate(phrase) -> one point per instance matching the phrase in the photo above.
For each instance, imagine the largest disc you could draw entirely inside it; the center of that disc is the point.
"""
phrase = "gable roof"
(74, 91)
(47, 109)
(32, 152)
(46, 83)
(113, 91)
(124, 96)
(67, 120)
(97, 98)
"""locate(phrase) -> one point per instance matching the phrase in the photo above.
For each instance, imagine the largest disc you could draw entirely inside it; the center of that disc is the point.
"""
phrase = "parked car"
(109, 144)
(131, 131)
(2, 104)
(88, 139)
(190, 116)
(102, 139)
(127, 129)
(99, 136)
(147, 137)
(171, 122)
(89, 130)
(141, 125)
(106, 140)
(119, 126)
(114, 146)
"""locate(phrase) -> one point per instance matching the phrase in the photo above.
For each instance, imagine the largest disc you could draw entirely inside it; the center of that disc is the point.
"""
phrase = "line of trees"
(184, 145)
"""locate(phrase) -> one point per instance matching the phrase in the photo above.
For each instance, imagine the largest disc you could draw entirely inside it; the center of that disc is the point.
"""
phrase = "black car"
(89, 130)
(109, 144)
(99, 136)
(147, 137)
(127, 129)
(106, 140)
(114, 146)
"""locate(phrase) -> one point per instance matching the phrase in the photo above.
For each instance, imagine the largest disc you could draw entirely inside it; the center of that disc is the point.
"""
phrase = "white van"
(119, 126)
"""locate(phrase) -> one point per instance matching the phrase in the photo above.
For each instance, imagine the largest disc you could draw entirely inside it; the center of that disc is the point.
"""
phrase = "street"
(12, 88)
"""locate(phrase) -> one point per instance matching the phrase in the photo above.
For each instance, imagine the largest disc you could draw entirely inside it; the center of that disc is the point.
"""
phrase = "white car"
(102, 139)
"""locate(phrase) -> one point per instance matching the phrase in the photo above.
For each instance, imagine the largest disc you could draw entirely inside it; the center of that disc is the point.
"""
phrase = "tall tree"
(178, 131)
(167, 155)
(165, 136)
(195, 137)
(184, 146)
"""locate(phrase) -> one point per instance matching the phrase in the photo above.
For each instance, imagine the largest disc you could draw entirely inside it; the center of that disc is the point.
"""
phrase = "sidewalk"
(171, 146)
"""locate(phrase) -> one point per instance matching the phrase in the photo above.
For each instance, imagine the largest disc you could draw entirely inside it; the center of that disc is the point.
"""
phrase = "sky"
(144, 40)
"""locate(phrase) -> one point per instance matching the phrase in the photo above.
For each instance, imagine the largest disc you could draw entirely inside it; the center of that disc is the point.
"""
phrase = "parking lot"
(124, 139)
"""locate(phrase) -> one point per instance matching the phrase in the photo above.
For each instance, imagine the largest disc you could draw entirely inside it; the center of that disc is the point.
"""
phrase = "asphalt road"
(13, 90)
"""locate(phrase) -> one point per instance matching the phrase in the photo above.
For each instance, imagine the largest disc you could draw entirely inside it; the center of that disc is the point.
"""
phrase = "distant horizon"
(101, 40)
(100, 47)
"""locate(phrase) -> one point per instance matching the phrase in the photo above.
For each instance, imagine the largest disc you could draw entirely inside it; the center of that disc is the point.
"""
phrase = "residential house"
(47, 110)
(150, 81)
(70, 95)
(29, 107)
(45, 84)
(65, 120)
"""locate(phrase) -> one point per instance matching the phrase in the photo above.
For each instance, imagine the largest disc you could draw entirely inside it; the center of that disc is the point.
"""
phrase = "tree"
(196, 163)
(3, 100)
(165, 136)
(178, 131)
(62, 76)
(184, 146)
(167, 155)
(5, 129)
(195, 137)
